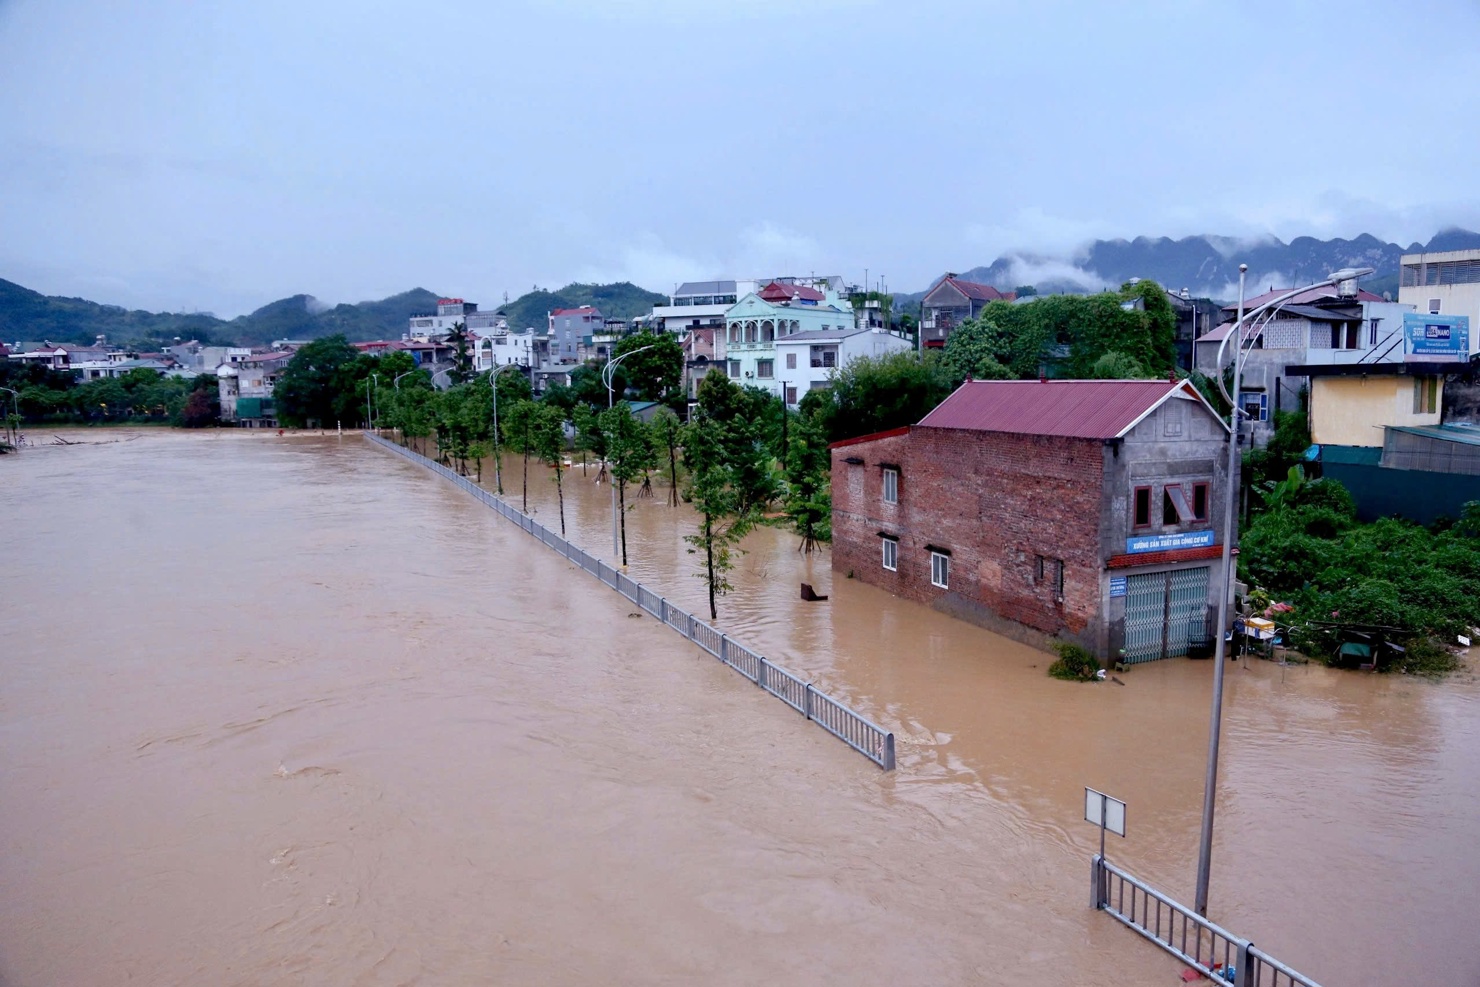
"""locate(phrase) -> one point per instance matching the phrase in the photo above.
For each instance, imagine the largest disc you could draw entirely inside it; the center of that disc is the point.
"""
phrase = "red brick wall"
(995, 501)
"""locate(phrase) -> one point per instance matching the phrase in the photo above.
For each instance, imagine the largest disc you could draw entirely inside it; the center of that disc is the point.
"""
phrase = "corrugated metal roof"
(1081, 409)
(776, 292)
(689, 288)
(1308, 297)
(1444, 433)
(818, 335)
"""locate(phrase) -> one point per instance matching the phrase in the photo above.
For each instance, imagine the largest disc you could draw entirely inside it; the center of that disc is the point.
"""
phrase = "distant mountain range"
(1206, 265)
(27, 315)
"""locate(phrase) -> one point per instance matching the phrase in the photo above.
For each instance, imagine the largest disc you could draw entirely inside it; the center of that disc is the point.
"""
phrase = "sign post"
(1109, 814)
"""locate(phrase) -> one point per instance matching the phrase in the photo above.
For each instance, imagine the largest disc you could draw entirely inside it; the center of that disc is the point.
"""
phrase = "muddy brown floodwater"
(293, 710)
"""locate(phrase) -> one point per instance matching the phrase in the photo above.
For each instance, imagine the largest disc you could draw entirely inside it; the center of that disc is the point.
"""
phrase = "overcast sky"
(186, 155)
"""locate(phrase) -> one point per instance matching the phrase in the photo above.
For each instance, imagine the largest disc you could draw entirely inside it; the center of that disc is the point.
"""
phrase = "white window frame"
(940, 570)
(889, 553)
(891, 485)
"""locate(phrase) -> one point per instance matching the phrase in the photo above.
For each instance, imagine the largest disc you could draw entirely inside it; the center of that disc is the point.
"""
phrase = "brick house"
(952, 301)
(1085, 510)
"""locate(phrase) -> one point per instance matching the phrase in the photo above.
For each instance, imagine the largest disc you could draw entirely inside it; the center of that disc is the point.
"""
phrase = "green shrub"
(1425, 656)
(1075, 664)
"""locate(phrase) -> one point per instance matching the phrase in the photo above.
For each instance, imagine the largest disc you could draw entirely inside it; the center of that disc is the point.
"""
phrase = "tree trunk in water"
(526, 478)
(709, 563)
(560, 493)
(622, 510)
(673, 476)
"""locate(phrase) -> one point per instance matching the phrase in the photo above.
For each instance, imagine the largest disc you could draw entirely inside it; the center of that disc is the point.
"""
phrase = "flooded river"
(292, 710)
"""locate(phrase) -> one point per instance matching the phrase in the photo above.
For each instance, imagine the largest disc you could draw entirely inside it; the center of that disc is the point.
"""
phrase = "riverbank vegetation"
(136, 397)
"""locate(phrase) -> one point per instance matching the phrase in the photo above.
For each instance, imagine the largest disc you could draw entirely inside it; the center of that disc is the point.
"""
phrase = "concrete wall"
(1351, 411)
(1454, 299)
(1180, 443)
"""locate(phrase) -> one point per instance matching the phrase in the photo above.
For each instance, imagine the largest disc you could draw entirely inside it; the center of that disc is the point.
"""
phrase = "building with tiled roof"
(1076, 510)
(952, 301)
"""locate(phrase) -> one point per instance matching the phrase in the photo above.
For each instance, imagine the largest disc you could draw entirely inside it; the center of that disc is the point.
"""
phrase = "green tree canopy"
(656, 374)
(872, 394)
(309, 388)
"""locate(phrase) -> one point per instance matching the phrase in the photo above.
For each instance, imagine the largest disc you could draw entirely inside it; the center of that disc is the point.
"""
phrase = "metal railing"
(858, 732)
(1207, 947)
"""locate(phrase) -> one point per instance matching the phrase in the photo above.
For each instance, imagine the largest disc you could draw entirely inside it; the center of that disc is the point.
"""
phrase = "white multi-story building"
(779, 309)
(1444, 283)
(806, 361)
(501, 347)
(450, 312)
(698, 304)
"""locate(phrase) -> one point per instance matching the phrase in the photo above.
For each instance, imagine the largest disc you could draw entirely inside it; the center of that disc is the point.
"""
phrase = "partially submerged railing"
(1206, 946)
(858, 732)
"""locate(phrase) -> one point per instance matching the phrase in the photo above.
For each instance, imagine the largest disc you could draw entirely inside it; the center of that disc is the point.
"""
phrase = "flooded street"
(296, 711)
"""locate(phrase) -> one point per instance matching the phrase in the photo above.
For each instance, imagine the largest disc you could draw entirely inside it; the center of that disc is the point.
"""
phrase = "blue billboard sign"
(1437, 335)
(1169, 542)
(1117, 586)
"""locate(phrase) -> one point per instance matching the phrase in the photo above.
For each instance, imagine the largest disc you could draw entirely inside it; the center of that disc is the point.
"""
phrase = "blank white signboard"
(1114, 811)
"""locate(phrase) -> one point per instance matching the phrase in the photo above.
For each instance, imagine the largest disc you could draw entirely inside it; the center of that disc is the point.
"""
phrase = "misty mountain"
(1208, 265)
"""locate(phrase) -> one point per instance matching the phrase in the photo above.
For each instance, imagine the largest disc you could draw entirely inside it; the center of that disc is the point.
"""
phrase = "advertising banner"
(1437, 337)
(1169, 542)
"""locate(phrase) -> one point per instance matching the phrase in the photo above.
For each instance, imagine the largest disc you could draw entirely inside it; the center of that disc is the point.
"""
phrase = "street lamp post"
(373, 381)
(498, 460)
(1205, 841)
(607, 373)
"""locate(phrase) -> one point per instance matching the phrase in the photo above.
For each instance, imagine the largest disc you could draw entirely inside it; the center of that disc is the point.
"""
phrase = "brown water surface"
(294, 711)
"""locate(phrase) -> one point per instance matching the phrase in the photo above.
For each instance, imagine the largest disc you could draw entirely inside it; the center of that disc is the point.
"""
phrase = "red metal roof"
(1080, 409)
(778, 292)
(583, 310)
(887, 433)
(980, 292)
(1309, 297)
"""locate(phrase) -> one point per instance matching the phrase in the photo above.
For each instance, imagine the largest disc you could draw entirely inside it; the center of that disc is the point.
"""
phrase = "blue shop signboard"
(1169, 542)
(1117, 586)
(1437, 335)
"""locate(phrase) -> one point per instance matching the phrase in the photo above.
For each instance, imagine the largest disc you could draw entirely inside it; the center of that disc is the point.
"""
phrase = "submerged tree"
(517, 425)
(713, 491)
(628, 455)
(809, 485)
(548, 435)
(666, 432)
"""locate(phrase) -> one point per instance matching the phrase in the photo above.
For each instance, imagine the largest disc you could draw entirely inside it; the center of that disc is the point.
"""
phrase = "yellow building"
(1348, 409)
